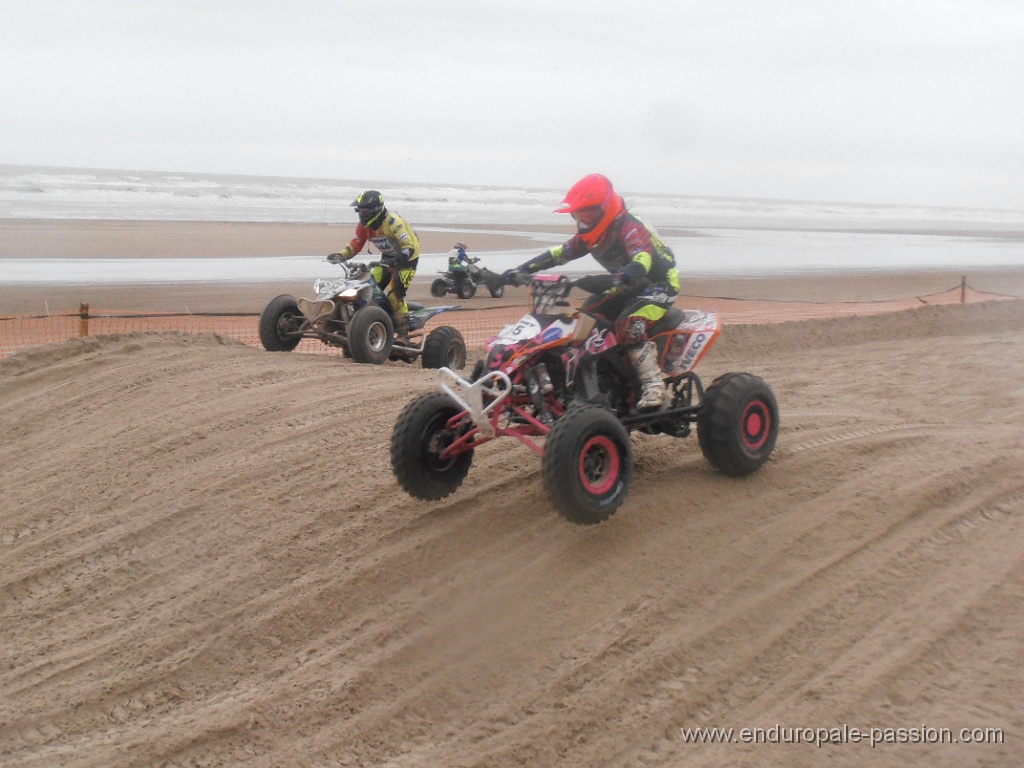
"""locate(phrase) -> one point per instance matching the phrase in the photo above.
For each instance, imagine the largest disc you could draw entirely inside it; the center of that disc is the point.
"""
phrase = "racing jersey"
(628, 240)
(394, 238)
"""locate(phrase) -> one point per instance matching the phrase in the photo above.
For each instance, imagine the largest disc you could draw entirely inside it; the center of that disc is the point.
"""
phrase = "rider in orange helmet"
(647, 280)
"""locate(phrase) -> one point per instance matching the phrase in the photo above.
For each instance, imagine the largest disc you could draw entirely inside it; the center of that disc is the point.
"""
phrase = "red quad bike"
(564, 377)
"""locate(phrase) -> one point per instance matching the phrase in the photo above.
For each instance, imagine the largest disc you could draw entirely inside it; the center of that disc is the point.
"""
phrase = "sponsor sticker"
(599, 340)
(699, 321)
(551, 333)
(693, 349)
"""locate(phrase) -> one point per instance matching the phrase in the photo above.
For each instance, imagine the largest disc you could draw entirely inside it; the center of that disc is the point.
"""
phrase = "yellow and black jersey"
(394, 238)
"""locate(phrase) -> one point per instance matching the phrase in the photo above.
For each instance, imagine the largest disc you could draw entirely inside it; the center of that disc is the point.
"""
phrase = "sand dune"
(205, 560)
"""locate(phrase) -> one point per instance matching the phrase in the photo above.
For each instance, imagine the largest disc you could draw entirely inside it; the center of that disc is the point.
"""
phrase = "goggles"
(588, 216)
(367, 212)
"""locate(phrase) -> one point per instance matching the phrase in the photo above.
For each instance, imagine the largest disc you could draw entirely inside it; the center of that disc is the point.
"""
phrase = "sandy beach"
(206, 559)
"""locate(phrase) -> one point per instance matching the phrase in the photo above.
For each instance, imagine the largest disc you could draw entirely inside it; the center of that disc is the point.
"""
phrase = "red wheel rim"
(599, 465)
(755, 425)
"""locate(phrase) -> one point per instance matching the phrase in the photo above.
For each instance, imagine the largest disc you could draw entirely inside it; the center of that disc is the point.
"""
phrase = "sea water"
(710, 236)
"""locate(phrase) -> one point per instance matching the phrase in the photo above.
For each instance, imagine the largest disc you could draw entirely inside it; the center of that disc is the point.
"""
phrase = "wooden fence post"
(963, 289)
(83, 322)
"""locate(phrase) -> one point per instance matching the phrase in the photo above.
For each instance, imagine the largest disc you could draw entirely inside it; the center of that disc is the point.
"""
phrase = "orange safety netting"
(477, 326)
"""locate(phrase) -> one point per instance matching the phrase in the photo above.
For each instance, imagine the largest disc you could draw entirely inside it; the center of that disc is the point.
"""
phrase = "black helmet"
(370, 207)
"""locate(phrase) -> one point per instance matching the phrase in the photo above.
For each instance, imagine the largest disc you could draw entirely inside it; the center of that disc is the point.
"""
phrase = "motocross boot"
(402, 323)
(645, 362)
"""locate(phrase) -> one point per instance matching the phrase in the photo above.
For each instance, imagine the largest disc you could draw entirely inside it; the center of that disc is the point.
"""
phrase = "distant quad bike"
(463, 281)
(566, 378)
(353, 313)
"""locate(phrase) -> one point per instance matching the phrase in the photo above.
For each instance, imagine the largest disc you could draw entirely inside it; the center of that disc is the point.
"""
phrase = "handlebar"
(357, 269)
(546, 290)
(594, 283)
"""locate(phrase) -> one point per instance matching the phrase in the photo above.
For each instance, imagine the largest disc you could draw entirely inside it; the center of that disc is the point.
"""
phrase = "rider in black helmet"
(399, 249)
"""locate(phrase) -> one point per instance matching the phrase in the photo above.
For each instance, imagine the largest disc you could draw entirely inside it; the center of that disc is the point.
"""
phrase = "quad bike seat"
(672, 318)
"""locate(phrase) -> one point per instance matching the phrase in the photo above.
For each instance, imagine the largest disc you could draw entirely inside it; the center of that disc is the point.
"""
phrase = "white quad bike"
(352, 313)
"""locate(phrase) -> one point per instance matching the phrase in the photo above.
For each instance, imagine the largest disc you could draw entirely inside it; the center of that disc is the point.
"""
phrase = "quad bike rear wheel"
(438, 288)
(738, 424)
(444, 348)
(279, 323)
(370, 335)
(417, 441)
(587, 464)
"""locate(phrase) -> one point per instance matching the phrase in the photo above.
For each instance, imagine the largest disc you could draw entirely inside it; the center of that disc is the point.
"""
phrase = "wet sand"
(166, 239)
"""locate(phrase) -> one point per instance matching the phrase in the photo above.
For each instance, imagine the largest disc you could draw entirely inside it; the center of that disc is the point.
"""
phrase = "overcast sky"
(888, 101)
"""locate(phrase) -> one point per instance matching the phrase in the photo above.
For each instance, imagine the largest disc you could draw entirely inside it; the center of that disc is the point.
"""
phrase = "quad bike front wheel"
(587, 465)
(466, 290)
(497, 291)
(438, 288)
(444, 348)
(419, 437)
(738, 423)
(279, 324)
(370, 335)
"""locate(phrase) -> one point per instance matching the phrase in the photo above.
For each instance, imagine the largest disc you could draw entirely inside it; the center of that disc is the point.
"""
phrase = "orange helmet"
(594, 204)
